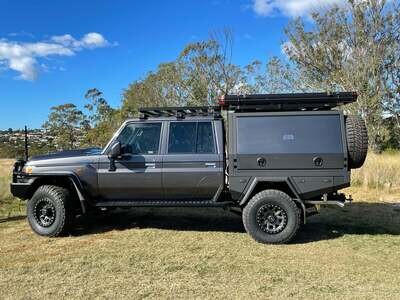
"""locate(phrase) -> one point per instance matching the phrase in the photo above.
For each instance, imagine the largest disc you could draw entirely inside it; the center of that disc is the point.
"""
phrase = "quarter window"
(191, 137)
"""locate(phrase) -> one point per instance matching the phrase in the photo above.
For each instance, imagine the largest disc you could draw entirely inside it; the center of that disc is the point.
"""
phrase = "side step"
(160, 203)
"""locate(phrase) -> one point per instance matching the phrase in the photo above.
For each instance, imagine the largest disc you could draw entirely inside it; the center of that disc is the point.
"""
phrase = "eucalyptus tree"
(101, 119)
(64, 124)
(352, 48)
(202, 72)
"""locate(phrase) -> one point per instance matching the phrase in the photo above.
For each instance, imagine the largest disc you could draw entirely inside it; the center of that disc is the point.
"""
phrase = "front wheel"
(49, 211)
(271, 217)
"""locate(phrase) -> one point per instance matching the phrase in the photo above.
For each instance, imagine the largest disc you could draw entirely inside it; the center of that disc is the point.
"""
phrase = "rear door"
(192, 166)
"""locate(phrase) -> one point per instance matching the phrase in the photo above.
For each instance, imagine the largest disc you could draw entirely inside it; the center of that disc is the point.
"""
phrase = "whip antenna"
(26, 144)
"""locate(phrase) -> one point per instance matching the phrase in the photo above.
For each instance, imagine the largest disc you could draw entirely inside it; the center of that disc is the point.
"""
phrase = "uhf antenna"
(26, 144)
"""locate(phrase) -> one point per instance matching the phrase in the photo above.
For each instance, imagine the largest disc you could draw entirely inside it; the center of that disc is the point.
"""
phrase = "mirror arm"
(112, 167)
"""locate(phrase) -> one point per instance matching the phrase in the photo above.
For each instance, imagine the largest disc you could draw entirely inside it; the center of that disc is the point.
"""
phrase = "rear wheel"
(49, 211)
(271, 217)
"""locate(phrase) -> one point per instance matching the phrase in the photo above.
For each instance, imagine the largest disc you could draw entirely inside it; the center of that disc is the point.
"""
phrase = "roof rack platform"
(180, 112)
(286, 102)
(255, 103)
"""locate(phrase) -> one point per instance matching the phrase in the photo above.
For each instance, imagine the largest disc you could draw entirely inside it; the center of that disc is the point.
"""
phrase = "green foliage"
(207, 69)
(72, 127)
(11, 151)
(353, 49)
(160, 88)
(201, 73)
(276, 77)
(17, 151)
(64, 124)
(101, 120)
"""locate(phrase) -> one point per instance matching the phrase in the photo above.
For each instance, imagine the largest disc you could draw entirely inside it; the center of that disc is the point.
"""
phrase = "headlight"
(27, 169)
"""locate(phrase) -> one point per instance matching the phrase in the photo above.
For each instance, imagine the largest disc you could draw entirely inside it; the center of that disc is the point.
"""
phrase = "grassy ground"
(205, 253)
(378, 181)
(9, 207)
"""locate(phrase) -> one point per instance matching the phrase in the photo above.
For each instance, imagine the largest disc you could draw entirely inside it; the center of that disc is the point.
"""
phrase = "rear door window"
(191, 137)
(289, 134)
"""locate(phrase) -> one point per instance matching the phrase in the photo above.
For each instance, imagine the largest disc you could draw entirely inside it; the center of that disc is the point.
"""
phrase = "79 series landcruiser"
(273, 158)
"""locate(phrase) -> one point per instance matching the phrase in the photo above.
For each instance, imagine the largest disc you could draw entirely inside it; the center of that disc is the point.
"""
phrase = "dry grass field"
(9, 207)
(205, 253)
(379, 178)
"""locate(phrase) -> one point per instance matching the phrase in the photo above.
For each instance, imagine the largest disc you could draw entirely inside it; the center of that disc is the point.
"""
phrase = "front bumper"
(21, 184)
(20, 189)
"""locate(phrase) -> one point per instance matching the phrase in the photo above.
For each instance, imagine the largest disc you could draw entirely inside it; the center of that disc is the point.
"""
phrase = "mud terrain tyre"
(271, 217)
(357, 141)
(49, 211)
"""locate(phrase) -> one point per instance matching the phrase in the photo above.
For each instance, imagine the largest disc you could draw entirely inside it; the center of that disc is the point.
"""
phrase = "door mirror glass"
(115, 150)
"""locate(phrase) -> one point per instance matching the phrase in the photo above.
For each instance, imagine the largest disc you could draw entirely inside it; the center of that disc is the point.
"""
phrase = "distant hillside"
(12, 142)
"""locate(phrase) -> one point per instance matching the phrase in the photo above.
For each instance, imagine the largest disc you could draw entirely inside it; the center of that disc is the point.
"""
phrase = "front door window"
(143, 139)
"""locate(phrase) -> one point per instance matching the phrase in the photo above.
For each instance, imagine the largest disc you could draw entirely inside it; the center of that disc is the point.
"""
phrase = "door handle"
(210, 165)
(150, 165)
(318, 161)
(261, 161)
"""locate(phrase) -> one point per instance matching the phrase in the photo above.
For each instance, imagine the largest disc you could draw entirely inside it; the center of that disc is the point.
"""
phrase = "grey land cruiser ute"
(273, 158)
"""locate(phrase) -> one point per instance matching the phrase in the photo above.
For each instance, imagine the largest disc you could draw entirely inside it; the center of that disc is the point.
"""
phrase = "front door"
(192, 167)
(138, 171)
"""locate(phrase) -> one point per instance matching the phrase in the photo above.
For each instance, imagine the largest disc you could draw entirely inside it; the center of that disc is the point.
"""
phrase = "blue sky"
(51, 52)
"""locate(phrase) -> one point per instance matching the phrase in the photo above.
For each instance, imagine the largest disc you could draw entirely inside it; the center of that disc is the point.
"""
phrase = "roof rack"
(180, 112)
(286, 102)
(255, 103)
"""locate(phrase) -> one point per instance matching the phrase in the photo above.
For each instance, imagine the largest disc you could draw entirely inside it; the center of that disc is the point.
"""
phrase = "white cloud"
(263, 7)
(94, 40)
(89, 41)
(23, 57)
(21, 34)
(291, 8)
(25, 65)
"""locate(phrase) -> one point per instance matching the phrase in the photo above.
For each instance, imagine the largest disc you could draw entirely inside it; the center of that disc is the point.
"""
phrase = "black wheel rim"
(271, 218)
(44, 212)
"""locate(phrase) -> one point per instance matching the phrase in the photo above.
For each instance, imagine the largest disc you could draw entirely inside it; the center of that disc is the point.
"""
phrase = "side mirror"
(114, 153)
(115, 150)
